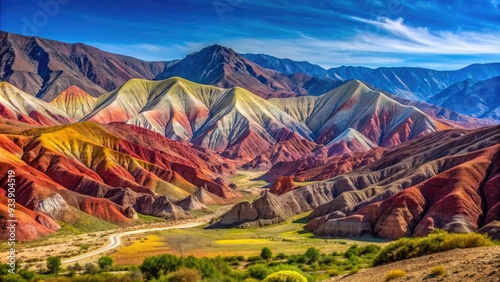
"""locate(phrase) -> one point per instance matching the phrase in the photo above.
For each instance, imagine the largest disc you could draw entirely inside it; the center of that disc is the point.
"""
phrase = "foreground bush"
(285, 276)
(439, 241)
(159, 266)
(438, 271)
(394, 274)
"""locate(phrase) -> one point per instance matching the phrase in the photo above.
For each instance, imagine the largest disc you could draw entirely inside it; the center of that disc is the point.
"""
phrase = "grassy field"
(288, 238)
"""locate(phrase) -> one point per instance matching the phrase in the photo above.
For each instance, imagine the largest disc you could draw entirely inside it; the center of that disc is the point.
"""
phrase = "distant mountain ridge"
(471, 97)
(223, 67)
(406, 82)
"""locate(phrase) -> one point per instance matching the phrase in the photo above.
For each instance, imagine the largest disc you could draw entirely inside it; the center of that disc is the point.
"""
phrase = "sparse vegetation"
(53, 265)
(266, 253)
(438, 271)
(394, 274)
(312, 254)
(439, 241)
(285, 276)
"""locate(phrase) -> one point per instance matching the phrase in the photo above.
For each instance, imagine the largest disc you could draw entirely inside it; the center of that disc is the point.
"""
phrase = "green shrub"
(439, 241)
(312, 254)
(369, 249)
(254, 258)
(281, 256)
(53, 265)
(266, 253)
(438, 271)
(185, 275)
(394, 274)
(91, 268)
(105, 262)
(154, 267)
(286, 276)
(353, 250)
(12, 278)
(26, 274)
(258, 271)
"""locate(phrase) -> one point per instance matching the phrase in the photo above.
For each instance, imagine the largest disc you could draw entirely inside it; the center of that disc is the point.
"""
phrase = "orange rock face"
(282, 185)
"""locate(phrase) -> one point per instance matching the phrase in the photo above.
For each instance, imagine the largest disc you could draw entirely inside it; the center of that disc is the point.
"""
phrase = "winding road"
(115, 240)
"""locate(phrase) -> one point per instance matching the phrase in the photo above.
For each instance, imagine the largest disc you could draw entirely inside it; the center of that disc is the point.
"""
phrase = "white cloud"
(384, 42)
(400, 38)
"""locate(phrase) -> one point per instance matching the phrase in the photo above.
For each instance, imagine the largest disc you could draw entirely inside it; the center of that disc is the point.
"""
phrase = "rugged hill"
(444, 180)
(108, 171)
(18, 105)
(475, 98)
(75, 102)
(243, 126)
(411, 83)
(223, 67)
(44, 68)
(234, 122)
(353, 105)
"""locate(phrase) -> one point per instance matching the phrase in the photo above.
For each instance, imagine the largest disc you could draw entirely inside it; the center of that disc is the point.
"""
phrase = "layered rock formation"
(108, 171)
(446, 180)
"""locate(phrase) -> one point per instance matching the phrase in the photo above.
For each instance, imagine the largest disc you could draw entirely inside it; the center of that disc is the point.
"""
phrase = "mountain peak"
(351, 134)
(75, 102)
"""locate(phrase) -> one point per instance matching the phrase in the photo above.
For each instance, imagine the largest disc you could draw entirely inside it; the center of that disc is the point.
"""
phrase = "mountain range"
(44, 68)
(471, 97)
(411, 83)
(114, 137)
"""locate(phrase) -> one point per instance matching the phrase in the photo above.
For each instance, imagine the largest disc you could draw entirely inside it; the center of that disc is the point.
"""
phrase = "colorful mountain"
(353, 105)
(74, 102)
(18, 105)
(108, 171)
(233, 122)
(240, 125)
(447, 179)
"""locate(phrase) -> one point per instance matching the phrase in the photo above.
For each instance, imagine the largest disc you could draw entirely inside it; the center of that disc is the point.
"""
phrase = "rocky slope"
(20, 106)
(444, 180)
(474, 264)
(108, 171)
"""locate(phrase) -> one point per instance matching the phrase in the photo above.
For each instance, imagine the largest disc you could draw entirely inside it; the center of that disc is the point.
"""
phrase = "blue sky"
(373, 33)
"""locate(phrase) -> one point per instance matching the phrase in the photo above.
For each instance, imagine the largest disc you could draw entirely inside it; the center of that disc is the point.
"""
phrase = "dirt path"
(475, 264)
(115, 240)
